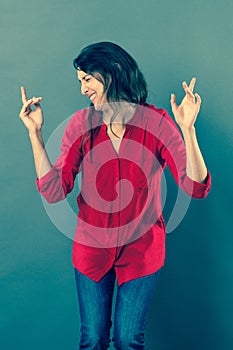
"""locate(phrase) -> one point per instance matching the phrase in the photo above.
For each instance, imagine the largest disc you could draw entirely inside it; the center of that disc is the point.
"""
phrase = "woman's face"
(92, 88)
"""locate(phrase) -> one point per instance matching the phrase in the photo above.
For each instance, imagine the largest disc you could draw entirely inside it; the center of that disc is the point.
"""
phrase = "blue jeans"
(132, 304)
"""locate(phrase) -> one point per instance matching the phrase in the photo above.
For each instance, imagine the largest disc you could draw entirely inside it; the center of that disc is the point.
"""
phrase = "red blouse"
(120, 219)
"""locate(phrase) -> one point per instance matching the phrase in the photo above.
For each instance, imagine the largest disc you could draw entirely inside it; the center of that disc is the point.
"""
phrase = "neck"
(123, 112)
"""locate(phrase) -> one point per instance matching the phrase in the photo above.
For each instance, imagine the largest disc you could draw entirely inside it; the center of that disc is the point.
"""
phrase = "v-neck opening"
(128, 126)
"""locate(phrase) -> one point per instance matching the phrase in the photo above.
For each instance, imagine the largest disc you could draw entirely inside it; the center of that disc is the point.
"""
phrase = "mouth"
(92, 96)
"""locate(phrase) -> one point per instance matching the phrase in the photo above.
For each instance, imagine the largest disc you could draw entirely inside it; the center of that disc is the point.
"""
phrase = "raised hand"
(32, 118)
(186, 113)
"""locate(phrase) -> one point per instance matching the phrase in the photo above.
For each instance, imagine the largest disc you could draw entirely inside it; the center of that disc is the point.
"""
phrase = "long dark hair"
(116, 70)
(121, 77)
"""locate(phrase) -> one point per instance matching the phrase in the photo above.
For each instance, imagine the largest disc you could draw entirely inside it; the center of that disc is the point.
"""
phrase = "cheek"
(101, 90)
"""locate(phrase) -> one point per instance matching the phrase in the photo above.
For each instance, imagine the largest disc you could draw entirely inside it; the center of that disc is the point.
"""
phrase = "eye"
(88, 79)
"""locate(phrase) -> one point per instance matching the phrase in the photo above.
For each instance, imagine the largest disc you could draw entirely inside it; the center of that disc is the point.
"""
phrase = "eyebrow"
(83, 78)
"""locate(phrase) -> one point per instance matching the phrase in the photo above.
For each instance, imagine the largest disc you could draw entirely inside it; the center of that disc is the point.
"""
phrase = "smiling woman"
(121, 145)
(92, 88)
(115, 69)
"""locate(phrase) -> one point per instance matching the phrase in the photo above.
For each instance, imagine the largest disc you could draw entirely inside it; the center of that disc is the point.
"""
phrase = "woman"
(121, 145)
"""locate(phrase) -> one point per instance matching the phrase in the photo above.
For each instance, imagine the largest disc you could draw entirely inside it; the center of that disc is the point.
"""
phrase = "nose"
(84, 89)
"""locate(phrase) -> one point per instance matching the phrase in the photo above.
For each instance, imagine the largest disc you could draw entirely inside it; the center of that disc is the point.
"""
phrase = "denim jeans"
(131, 307)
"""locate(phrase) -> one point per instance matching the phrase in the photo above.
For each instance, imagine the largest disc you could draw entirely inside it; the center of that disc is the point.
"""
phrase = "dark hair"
(120, 74)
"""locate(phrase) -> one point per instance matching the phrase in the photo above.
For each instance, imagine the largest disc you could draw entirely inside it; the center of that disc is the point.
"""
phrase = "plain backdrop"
(172, 41)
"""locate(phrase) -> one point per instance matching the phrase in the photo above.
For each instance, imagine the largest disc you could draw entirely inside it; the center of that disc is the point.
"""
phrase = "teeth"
(92, 96)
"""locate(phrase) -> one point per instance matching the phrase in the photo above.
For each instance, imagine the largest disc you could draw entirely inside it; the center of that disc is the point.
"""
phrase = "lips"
(92, 96)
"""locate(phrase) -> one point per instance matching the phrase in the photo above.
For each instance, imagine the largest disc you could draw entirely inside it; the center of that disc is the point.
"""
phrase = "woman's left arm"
(185, 115)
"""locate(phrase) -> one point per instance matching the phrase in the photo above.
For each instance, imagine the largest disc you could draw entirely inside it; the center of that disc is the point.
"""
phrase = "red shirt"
(120, 219)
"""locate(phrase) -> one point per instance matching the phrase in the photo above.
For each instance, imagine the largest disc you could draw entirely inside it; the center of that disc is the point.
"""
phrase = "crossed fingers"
(26, 109)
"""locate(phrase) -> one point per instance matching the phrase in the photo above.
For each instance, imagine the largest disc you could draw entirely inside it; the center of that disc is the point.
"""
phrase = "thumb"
(173, 102)
(37, 106)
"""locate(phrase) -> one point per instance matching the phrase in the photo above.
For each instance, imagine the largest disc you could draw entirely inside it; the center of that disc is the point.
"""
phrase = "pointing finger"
(192, 84)
(24, 95)
(187, 90)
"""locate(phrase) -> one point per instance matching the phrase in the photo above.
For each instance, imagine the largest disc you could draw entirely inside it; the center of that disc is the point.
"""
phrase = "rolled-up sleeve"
(59, 181)
(173, 153)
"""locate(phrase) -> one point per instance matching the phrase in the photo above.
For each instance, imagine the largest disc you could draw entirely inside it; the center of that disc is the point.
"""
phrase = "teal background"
(172, 41)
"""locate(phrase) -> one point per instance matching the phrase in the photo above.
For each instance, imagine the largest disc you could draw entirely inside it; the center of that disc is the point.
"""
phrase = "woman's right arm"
(54, 181)
(33, 121)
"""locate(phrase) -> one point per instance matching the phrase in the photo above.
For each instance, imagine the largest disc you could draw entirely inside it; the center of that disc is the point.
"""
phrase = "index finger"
(192, 84)
(24, 95)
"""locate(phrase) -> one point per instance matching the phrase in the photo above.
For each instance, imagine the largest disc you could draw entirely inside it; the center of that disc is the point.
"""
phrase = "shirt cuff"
(197, 189)
(44, 180)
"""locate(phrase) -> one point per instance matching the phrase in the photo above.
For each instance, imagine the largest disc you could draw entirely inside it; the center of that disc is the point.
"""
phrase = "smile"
(92, 96)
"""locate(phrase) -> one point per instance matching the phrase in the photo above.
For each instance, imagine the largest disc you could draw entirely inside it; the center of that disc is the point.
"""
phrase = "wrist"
(188, 130)
(36, 135)
(34, 132)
